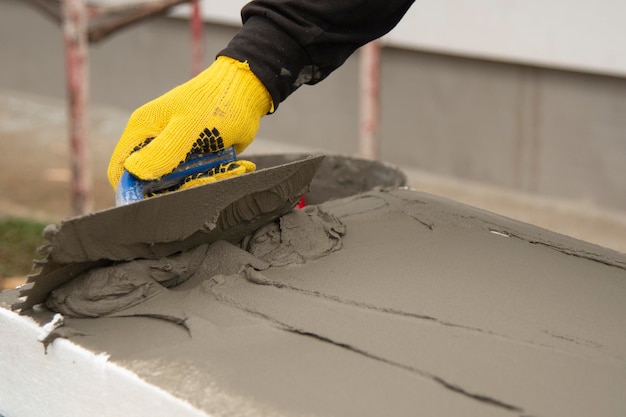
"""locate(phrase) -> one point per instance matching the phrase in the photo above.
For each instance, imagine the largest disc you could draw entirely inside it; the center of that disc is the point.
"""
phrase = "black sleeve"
(288, 43)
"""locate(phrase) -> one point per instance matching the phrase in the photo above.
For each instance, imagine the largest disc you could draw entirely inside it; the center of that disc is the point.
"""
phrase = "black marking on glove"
(141, 145)
(220, 169)
(209, 141)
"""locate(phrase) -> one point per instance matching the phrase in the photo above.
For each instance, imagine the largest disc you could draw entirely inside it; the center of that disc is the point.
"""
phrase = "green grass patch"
(19, 240)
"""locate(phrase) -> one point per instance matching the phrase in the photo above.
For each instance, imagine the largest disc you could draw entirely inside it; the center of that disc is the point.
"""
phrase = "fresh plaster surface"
(424, 306)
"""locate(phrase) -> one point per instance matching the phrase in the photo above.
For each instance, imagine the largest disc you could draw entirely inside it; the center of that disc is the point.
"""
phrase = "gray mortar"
(430, 307)
(340, 176)
(295, 238)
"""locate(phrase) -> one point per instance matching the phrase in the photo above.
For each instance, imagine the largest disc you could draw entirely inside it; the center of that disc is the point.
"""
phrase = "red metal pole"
(197, 55)
(369, 146)
(75, 34)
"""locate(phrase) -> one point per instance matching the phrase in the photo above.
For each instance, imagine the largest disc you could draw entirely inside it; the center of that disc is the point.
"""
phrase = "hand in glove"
(220, 107)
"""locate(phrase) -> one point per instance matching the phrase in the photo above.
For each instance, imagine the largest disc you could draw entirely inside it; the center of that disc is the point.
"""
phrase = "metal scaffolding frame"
(369, 100)
(90, 21)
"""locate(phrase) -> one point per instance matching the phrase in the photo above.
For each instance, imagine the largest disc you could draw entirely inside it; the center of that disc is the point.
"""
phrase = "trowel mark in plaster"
(591, 256)
(497, 230)
(232, 295)
(428, 225)
(207, 286)
(432, 377)
(368, 198)
(358, 205)
(256, 277)
(504, 231)
(575, 340)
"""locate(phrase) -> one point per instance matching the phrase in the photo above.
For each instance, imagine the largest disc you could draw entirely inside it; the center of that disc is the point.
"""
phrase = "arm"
(293, 42)
(282, 45)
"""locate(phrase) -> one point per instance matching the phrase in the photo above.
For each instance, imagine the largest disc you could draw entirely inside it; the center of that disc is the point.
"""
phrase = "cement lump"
(162, 226)
(296, 237)
(110, 289)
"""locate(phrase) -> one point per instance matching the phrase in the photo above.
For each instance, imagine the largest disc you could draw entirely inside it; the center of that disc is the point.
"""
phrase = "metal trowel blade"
(160, 226)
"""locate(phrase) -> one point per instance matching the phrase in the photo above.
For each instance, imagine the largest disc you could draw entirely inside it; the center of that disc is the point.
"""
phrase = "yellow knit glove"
(229, 169)
(220, 107)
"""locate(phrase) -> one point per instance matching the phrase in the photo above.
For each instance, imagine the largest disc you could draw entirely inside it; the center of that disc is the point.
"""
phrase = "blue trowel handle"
(131, 189)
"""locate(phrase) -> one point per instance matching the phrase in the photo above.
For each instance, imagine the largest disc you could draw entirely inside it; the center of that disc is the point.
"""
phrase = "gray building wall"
(552, 133)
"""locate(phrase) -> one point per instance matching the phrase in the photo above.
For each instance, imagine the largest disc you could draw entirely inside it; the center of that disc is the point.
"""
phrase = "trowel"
(154, 227)
(131, 189)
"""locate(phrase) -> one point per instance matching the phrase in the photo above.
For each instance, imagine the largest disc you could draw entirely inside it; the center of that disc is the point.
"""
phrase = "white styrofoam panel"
(69, 380)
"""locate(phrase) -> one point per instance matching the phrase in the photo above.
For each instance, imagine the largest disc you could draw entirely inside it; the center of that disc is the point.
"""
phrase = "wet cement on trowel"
(168, 224)
(407, 304)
